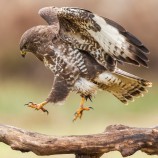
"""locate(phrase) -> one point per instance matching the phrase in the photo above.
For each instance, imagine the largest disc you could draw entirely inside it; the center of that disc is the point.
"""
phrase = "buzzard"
(82, 50)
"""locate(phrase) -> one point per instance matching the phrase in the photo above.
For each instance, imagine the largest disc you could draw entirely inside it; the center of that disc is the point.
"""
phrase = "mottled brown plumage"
(82, 50)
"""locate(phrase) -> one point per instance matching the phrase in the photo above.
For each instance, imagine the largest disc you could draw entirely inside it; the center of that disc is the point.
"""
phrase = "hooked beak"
(23, 53)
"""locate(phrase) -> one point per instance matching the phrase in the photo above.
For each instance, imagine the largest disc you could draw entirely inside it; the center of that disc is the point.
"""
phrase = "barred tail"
(122, 85)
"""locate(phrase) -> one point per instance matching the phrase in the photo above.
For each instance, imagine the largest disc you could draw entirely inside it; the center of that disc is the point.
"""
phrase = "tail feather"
(122, 85)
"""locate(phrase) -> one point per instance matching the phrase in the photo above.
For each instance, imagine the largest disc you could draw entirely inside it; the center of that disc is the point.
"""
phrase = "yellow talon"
(38, 106)
(79, 112)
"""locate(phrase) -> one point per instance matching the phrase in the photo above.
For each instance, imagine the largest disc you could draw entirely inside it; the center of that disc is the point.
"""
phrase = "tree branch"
(121, 138)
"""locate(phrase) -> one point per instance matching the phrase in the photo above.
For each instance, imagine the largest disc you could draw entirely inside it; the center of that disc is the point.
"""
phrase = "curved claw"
(88, 97)
(91, 107)
(28, 103)
(76, 112)
(44, 110)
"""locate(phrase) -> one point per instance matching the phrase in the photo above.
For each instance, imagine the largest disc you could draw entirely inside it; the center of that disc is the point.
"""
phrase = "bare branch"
(121, 138)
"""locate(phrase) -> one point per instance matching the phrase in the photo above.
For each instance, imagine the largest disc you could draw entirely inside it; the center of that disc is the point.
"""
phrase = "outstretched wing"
(104, 39)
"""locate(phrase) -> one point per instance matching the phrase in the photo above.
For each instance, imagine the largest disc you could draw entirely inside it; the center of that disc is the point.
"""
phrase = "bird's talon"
(37, 106)
(79, 112)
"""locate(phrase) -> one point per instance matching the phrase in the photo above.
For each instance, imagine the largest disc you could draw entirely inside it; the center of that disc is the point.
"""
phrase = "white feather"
(108, 34)
(84, 86)
(107, 78)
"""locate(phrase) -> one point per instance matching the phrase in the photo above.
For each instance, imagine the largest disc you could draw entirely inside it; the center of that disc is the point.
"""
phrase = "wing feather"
(104, 39)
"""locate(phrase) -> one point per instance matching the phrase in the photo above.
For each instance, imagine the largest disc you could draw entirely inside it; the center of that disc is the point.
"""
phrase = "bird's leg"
(79, 112)
(38, 106)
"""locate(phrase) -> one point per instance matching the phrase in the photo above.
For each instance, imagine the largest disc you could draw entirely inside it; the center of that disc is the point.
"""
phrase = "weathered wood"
(121, 138)
(88, 156)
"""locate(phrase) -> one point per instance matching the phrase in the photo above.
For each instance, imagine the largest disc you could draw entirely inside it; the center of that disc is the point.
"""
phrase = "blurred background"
(27, 80)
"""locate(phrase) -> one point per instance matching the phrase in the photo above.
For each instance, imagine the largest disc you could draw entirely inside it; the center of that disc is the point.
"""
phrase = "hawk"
(82, 50)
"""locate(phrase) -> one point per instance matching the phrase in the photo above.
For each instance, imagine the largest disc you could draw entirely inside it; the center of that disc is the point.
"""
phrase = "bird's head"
(33, 39)
(27, 42)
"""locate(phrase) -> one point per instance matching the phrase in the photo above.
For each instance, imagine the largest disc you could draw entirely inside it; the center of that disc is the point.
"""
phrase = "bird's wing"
(65, 75)
(104, 39)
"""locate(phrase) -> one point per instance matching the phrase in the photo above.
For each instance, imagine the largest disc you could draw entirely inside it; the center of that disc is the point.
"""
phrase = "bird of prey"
(82, 50)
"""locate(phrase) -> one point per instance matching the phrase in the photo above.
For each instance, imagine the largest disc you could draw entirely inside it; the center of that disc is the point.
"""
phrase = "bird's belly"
(85, 87)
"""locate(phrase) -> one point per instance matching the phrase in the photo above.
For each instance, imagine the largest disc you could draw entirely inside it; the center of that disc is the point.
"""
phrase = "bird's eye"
(24, 47)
